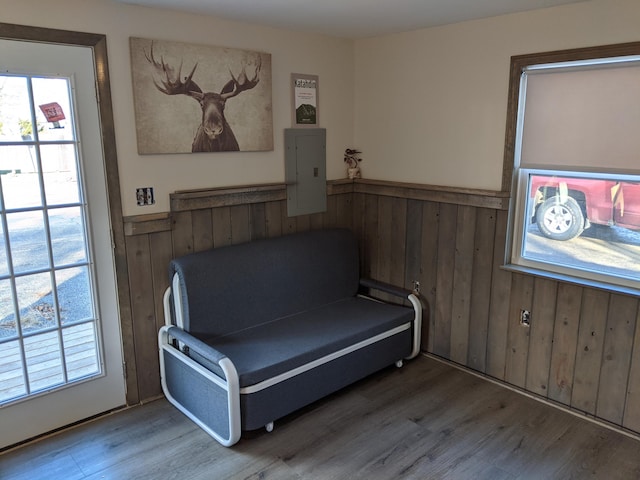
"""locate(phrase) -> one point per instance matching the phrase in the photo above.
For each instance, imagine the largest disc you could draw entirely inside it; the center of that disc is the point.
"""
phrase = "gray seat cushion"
(270, 349)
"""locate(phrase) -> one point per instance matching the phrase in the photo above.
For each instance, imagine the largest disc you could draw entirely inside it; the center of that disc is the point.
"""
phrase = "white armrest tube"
(417, 325)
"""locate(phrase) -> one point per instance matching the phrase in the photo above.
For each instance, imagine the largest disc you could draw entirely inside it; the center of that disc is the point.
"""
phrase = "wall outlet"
(525, 318)
(144, 196)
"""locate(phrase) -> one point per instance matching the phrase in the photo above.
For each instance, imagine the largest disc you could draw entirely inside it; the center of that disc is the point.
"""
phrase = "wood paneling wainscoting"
(582, 351)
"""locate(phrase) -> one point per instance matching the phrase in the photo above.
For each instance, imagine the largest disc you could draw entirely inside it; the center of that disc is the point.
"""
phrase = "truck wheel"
(560, 220)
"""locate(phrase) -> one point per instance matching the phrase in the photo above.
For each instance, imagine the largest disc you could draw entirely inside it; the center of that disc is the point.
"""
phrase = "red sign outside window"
(53, 112)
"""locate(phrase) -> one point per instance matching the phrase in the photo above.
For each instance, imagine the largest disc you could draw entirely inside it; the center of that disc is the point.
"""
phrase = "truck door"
(626, 205)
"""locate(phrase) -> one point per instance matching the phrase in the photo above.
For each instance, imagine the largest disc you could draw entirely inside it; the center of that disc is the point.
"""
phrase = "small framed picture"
(304, 102)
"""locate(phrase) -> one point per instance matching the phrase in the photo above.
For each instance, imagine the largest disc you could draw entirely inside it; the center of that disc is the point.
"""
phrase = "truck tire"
(560, 220)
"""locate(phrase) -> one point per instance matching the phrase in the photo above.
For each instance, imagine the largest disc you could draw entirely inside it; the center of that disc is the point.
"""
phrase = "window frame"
(515, 178)
(524, 204)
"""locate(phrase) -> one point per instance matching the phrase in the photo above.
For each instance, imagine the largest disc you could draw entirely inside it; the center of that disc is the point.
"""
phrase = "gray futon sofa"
(258, 330)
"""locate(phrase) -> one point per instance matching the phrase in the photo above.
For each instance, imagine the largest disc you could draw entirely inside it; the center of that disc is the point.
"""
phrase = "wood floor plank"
(56, 465)
(426, 420)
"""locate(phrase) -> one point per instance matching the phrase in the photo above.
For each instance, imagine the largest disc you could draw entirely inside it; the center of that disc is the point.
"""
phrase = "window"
(48, 317)
(573, 143)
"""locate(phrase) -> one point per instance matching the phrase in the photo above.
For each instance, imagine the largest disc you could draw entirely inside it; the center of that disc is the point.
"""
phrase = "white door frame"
(97, 44)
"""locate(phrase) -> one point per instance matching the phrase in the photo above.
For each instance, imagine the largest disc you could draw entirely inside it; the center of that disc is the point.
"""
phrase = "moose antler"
(171, 83)
(235, 86)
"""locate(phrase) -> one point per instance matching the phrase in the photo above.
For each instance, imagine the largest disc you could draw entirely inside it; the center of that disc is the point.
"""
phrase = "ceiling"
(351, 18)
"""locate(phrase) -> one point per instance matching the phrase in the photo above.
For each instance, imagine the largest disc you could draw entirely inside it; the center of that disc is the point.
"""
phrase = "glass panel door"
(60, 345)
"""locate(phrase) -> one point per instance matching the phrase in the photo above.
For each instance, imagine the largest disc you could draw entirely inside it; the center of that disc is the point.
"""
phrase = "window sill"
(583, 282)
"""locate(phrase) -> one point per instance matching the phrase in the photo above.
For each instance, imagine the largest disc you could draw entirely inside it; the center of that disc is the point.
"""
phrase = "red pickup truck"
(564, 206)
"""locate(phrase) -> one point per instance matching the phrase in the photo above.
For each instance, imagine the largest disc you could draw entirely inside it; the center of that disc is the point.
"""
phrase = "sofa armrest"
(407, 295)
(225, 388)
(194, 345)
(385, 287)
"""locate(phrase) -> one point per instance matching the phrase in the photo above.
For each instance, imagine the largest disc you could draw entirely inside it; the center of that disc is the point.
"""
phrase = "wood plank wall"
(582, 350)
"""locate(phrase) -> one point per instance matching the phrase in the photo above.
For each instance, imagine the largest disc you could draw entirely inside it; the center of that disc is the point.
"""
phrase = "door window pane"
(8, 326)
(74, 295)
(60, 173)
(15, 114)
(80, 351)
(28, 238)
(13, 382)
(51, 97)
(4, 266)
(20, 182)
(67, 236)
(35, 301)
(43, 361)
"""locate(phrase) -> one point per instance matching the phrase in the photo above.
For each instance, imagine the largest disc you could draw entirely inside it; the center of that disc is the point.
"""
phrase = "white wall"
(430, 105)
(427, 106)
(329, 58)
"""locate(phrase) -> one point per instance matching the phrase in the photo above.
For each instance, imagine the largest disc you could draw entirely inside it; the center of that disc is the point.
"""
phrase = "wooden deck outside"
(44, 360)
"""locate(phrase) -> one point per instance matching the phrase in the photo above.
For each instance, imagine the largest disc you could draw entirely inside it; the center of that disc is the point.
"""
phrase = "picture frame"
(304, 101)
(192, 98)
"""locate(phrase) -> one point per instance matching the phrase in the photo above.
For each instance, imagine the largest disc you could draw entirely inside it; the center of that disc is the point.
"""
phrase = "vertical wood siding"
(581, 351)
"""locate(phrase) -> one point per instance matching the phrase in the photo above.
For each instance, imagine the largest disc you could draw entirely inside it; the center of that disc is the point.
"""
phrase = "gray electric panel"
(305, 170)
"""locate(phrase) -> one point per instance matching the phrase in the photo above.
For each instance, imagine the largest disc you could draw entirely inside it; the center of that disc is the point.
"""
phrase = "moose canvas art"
(198, 98)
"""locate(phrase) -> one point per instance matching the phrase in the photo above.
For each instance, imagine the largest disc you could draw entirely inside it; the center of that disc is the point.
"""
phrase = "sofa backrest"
(231, 288)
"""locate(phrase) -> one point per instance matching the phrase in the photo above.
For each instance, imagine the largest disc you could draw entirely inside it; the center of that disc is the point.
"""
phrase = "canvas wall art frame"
(199, 98)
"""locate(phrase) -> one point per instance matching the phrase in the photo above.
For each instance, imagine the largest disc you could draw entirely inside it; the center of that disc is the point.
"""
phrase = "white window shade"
(582, 119)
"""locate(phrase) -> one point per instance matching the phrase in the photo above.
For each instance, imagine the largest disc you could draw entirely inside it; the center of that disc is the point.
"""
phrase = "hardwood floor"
(427, 420)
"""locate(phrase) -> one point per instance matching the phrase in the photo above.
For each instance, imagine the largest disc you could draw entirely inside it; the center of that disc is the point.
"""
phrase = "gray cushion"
(264, 351)
(233, 288)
